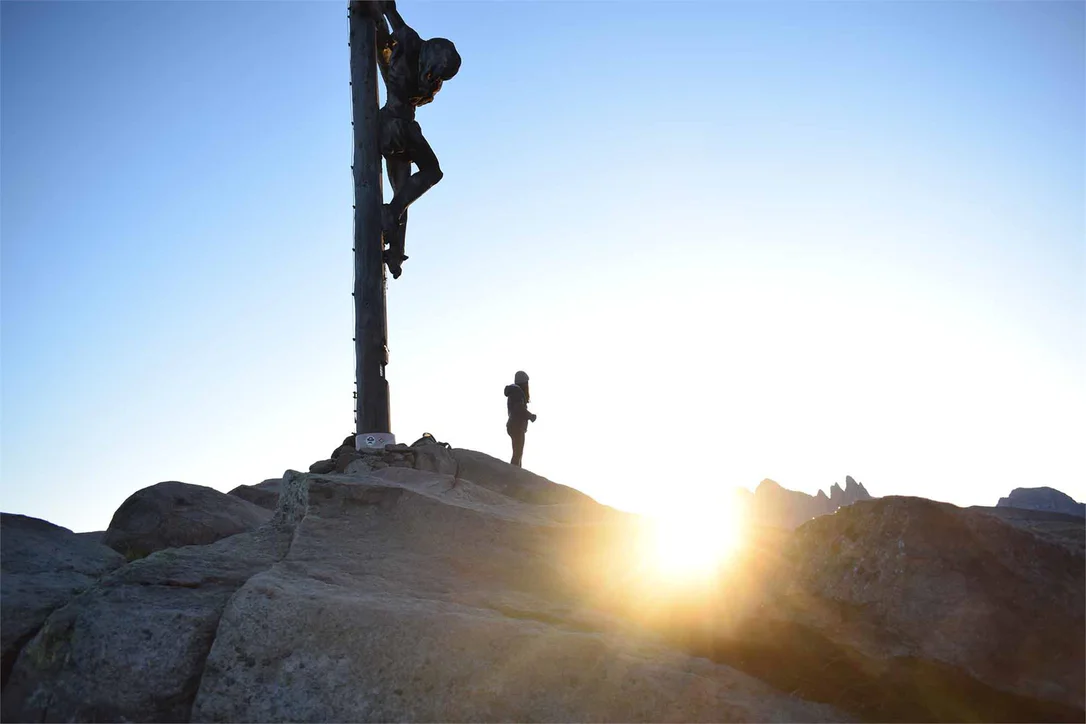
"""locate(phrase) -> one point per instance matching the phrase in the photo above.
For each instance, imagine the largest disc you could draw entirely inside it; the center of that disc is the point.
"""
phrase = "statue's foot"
(394, 262)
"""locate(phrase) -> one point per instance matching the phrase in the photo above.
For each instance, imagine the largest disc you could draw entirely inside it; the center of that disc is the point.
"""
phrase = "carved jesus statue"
(413, 70)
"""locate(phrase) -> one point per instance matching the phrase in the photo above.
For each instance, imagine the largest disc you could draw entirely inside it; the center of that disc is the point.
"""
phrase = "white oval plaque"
(374, 440)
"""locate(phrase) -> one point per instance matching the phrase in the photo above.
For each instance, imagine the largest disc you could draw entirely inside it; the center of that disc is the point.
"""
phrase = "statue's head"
(438, 62)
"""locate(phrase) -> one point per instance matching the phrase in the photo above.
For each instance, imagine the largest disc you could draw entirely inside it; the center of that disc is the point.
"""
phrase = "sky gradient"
(727, 240)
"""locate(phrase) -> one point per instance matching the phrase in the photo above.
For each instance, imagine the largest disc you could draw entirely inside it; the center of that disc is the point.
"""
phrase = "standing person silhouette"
(517, 399)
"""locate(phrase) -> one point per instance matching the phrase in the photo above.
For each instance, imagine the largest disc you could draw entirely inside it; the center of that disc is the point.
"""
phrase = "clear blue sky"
(727, 240)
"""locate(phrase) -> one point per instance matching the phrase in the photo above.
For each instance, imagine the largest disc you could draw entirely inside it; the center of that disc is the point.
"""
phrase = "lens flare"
(693, 543)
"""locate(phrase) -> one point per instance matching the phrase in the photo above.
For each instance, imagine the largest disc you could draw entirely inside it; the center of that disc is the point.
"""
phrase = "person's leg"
(518, 446)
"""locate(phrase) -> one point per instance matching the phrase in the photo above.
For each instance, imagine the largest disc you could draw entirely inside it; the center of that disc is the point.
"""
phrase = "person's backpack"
(428, 439)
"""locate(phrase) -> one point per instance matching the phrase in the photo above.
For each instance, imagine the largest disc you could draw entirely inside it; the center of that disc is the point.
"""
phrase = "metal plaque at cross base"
(373, 441)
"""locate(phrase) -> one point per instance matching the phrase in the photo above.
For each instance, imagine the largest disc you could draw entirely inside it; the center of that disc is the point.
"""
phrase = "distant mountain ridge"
(1048, 499)
(772, 504)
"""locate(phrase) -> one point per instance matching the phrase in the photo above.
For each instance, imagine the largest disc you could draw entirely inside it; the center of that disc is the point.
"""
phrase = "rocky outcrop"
(345, 454)
(173, 514)
(132, 648)
(517, 483)
(435, 457)
(911, 579)
(414, 596)
(400, 595)
(265, 493)
(323, 466)
(425, 454)
(1059, 528)
(42, 567)
(1048, 499)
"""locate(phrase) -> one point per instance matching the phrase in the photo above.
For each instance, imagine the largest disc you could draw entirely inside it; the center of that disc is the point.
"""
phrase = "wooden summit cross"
(413, 70)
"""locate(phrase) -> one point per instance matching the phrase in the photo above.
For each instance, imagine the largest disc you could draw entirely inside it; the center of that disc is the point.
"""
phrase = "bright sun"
(692, 543)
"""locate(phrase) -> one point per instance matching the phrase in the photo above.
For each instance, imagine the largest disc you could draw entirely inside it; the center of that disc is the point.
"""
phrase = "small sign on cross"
(372, 441)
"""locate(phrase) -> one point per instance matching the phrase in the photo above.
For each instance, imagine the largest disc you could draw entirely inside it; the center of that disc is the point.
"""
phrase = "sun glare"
(693, 544)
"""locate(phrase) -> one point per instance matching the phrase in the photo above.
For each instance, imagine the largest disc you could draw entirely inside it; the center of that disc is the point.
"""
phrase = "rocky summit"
(1048, 499)
(429, 584)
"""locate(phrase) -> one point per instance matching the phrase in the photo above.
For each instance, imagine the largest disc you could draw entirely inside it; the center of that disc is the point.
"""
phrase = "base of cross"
(372, 441)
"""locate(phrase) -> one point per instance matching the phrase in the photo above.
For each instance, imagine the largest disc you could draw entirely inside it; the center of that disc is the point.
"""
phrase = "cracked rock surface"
(42, 567)
(132, 648)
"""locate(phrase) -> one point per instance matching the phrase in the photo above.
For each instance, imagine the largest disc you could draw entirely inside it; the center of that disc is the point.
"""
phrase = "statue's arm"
(404, 39)
(375, 10)
(384, 38)
(393, 15)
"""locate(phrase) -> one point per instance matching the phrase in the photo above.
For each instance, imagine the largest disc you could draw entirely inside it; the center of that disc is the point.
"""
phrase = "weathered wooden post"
(414, 71)
(372, 415)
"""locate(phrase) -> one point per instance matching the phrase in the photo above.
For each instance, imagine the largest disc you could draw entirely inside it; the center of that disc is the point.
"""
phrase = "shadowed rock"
(1048, 499)
(42, 567)
(436, 459)
(132, 648)
(517, 483)
(323, 466)
(265, 494)
(1060, 528)
(909, 577)
(173, 514)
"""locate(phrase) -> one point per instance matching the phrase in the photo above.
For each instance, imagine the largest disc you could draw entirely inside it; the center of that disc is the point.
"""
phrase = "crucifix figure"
(413, 70)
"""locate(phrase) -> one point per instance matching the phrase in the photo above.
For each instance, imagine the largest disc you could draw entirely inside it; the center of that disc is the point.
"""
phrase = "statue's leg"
(415, 185)
(399, 171)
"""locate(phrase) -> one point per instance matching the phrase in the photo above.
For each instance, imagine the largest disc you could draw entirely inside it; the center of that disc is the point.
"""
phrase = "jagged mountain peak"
(768, 484)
